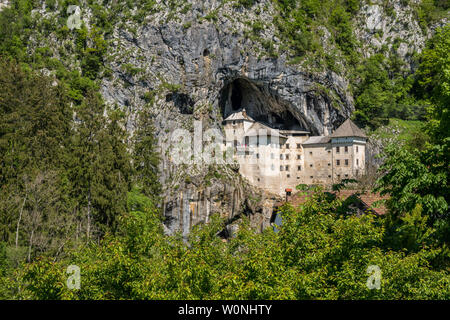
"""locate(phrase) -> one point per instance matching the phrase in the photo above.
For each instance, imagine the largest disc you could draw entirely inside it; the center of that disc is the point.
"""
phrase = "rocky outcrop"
(191, 206)
(201, 65)
(202, 73)
(206, 58)
(393, 25)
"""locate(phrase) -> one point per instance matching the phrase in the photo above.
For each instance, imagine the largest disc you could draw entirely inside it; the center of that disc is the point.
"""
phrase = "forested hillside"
(86, 177)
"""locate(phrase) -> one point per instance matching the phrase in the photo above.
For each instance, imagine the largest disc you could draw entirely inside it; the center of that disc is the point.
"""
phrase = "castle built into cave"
(278, 159)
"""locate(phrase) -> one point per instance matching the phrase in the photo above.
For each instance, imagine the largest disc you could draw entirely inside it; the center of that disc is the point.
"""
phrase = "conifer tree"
(84, 154)
(146, 157)
(114, 166)
(100, 167)
(35, 123)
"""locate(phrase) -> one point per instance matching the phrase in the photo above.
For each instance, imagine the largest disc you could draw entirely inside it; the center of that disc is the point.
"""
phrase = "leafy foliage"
(63, 169)
(316, 255)
(420, 178)
(72, 193)
(433, 83)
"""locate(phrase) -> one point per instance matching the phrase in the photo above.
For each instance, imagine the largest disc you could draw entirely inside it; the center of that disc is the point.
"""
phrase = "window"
(257, 156)
(329, 164)
(311, 177)
(346, 175)
(288, 176)
(337, 149)
(287, 168)
(287, 145)
(311, 165)
(281, 157)
(357, 162)
(234, 122)
(338, 162)
(287, 157)
(299, 157)
(346, 162)
(346, 149)
(310, 152)
(329, 176)
(281, 168)
(272, 167)
(338, 176)
(299, 146)
(234, 131)
(357, 149)
(329, 151)
(299, 168)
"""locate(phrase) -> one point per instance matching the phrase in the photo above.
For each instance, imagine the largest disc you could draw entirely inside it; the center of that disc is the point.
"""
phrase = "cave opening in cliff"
(260, 104)
(236, 98)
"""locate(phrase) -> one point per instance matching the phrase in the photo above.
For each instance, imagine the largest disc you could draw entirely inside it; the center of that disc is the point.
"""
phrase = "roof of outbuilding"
(371, 200)
(348, 129)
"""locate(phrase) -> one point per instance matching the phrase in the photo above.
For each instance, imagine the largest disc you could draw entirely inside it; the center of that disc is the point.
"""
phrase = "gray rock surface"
(199, 60)
(205, 62)
(212, 64)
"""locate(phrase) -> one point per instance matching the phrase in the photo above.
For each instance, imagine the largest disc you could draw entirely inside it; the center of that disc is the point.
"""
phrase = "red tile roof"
(368, 198)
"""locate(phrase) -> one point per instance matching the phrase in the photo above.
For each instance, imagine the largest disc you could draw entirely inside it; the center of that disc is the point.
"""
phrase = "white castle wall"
(275, 164)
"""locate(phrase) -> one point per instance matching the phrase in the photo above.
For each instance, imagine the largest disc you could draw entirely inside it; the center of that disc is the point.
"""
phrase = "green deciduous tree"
(317, 254)
(414, 177)
(433, 83)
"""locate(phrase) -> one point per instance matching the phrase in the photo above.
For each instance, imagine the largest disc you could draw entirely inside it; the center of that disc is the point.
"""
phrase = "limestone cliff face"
(204, 58)
(203, 65)
(392, 25)
(199, 62)
(215, 69)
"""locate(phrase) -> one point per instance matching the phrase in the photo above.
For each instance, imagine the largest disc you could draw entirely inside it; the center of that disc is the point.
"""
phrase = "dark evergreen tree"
(35, 121)
(114, 167)
(146, 157)
(100, 166)
(35, 125)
